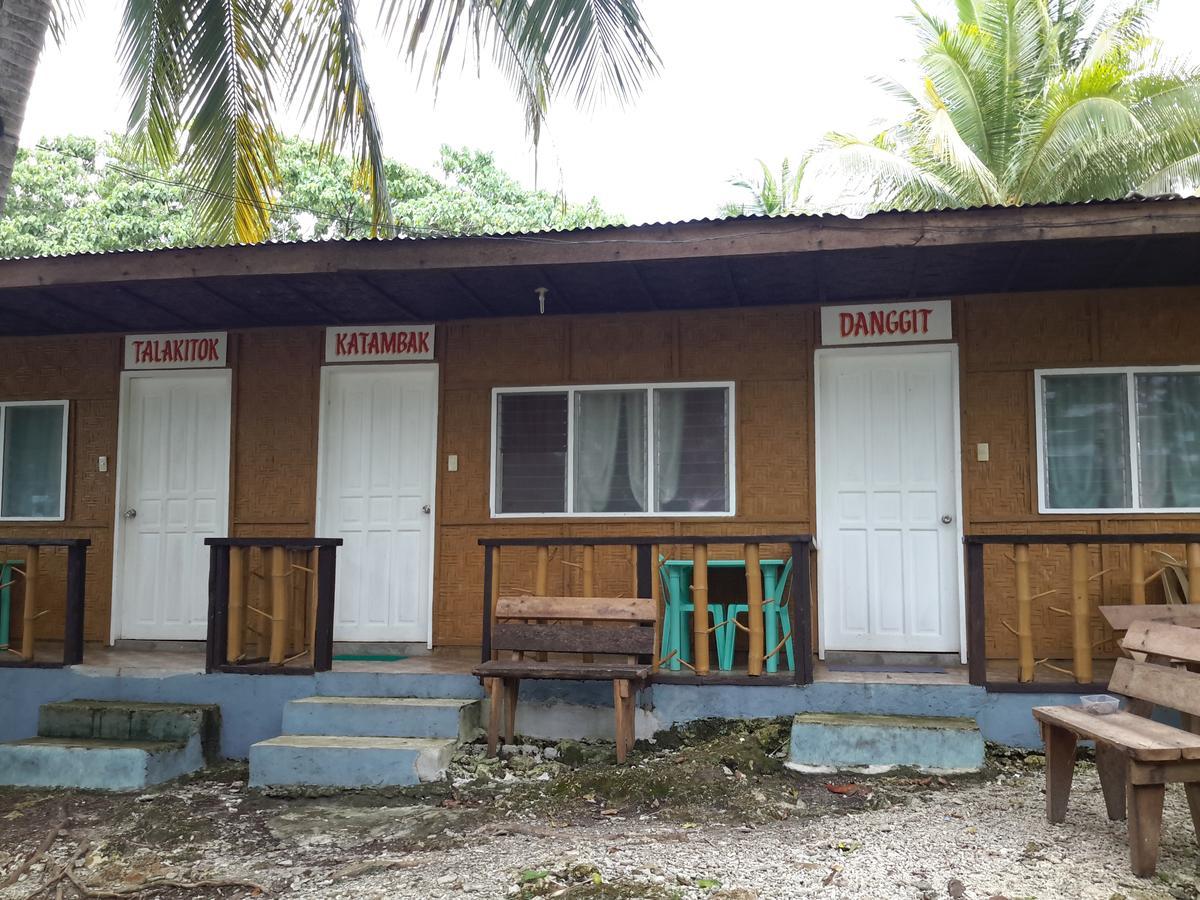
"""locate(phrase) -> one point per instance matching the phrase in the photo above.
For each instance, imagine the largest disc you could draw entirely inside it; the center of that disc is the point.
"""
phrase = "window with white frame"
(613, 450)
(1119, 440)
(33, 459)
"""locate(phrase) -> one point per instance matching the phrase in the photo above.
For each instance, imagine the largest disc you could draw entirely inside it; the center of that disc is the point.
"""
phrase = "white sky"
(741, 80)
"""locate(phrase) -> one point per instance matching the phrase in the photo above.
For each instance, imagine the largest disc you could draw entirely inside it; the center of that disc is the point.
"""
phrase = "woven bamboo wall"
(768, 353)
(1003, 340)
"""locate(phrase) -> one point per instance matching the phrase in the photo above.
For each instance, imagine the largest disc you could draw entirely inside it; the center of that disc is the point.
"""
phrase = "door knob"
(130, 514)
(425, 509)
(947, 519)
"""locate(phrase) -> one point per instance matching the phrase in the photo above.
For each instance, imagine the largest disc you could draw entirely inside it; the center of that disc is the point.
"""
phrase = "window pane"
(691, 450)
(610, 451)
(1168, 412)
(532, 464)
(1087, 441)
(32, 478)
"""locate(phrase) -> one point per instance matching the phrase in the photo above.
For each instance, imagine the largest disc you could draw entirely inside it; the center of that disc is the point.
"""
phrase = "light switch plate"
(102, 464)
(982, 452)
(452, 463)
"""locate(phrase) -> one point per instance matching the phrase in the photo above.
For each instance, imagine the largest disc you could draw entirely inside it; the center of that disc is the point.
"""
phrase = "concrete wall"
(252, 705)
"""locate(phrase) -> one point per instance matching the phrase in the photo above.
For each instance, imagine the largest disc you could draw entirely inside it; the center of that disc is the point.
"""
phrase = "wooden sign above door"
(200, 350)
(378, 343)
(885, 323)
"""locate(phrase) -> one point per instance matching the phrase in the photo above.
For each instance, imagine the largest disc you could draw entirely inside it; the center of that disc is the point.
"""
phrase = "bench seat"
(1134, 736)
(501, 668)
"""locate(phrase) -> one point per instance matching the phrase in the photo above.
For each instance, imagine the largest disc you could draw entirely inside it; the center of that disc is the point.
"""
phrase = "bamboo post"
(237, 604)
(754, 599)
(278, 605)
(542, 584)
(659, 605)
(1025, 665)
(1137, 574)
(589, 583)
(29, 622)
(1193, 570)
(1080, 615)
(700, 606)
(314, 567)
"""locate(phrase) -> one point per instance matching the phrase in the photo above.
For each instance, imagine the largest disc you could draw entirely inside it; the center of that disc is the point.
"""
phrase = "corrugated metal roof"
(553, 233)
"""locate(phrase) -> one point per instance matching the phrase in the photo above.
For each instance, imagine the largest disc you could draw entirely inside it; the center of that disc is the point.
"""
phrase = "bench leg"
(1145, 827)
(1060, 769)
(631, 718)
(512, 687)
(620, 705)
(1193, 794)
(1113, 768)
(495, 690)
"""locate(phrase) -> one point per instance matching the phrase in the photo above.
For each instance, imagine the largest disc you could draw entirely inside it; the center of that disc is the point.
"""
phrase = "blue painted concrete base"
(833, 741)
(252, 705)
(331, 761)
(96, 764)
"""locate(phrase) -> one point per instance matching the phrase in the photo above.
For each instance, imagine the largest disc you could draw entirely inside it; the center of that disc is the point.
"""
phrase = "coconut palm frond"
(957, 67)
(771, 194)
(1120, 26)
(230, 61)
(973, 181)
(153, 34)
(63, 16)
(1016, 34)
(330, 82)
(873, 177)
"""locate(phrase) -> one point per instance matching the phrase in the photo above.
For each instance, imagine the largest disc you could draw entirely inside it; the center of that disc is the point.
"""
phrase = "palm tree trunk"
(23, 25)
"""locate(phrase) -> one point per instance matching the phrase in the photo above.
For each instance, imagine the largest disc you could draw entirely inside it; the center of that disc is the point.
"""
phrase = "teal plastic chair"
(676, 643)
(772, 606)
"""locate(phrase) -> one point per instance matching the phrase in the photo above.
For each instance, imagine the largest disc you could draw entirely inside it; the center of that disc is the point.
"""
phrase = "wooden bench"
(580, 626)
(1136, 757)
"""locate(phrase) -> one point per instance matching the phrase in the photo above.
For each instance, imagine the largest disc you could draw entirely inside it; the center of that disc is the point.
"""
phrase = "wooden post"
(29, 621)
(495, 598)
(237, 604)
(1080, 615)
(754, 599)
(314, 564)
(278, 605)
(700, 604)
(633, 566)
(1024, 615)
(1193, 570)
(1137, 574)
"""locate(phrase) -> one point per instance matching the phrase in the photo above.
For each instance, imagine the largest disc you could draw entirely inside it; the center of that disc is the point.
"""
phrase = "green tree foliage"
(771, 194)
(83, 195)
(1024, 101)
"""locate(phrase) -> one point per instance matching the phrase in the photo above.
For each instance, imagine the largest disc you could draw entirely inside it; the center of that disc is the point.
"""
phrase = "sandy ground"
(713, 818)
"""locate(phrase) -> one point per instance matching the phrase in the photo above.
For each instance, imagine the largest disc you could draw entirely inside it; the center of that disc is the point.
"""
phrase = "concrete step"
(123, 720)
(341, 761)
(825, 742)
(95, 763)
(383, 717)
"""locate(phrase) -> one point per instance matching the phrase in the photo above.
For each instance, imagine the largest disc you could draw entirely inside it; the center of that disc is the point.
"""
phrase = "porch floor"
(189, 658)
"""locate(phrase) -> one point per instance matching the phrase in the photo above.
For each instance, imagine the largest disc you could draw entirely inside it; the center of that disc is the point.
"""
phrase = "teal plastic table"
(678, 577)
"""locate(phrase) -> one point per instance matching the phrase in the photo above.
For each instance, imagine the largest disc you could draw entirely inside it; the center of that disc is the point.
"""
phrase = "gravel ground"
(715, 817)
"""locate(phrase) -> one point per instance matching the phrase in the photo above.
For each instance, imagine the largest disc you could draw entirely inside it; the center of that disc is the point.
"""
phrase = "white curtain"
(1087, 441)
(1168, 409)
(635, 446)
(597, 429)
(668, 445)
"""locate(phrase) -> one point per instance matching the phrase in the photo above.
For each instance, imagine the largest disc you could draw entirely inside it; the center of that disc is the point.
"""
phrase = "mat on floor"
(851, 667)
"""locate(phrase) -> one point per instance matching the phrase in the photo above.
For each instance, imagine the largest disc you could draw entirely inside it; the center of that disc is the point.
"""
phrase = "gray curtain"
(1087, 441)
(668, 445)
(597, 428)
(1168, 410)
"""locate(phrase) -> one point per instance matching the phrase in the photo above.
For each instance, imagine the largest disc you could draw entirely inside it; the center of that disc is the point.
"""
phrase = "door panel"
(887, 458)
(377, 449)
(175, 481)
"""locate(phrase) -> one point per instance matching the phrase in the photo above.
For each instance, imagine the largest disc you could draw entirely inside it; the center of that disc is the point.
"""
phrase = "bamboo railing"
(28, 574)
(1030, 593)
(644, 581)
(270, 604)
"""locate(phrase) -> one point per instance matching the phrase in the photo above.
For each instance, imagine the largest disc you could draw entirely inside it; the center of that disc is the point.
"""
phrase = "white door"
(887, 482)
(174, 494)
(378, 433)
